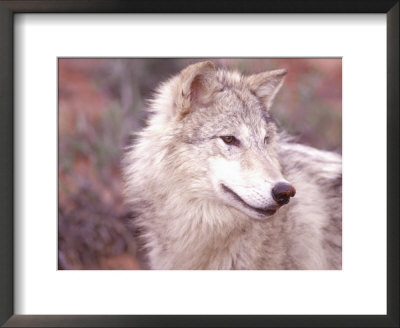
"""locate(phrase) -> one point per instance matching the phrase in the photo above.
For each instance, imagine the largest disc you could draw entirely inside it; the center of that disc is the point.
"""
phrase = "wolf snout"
(282, 192)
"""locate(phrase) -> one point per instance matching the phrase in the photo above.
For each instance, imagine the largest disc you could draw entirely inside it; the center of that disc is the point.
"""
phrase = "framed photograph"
(76, 80)
(103, 100)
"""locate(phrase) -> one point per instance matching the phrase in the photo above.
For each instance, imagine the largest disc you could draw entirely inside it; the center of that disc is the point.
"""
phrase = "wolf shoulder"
(320, 166)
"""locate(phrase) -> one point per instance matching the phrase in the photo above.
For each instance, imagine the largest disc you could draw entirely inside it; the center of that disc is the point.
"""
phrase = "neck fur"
(195, 235)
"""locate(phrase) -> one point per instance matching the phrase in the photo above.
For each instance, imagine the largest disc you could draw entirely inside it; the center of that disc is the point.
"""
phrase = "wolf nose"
(282, 192)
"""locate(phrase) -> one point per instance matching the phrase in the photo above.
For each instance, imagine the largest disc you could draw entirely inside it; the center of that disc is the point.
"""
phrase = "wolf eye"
(266, 140)
(228, 139)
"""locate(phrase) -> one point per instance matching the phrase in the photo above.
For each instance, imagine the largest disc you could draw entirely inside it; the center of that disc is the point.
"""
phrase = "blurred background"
(101, 101)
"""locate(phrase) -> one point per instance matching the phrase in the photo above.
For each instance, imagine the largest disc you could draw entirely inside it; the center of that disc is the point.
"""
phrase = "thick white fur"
(175, 169)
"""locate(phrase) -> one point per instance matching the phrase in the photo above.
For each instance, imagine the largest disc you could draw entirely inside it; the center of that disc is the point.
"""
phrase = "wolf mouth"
(265, 211)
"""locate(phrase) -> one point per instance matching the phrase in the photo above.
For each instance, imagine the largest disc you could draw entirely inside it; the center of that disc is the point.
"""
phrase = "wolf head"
(221, 139)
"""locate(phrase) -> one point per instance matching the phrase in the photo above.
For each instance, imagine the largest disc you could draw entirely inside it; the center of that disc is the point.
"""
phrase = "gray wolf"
(215, 185)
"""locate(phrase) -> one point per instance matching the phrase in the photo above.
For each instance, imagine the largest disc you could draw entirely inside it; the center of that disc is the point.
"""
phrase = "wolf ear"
(197, 85)
(266, 85)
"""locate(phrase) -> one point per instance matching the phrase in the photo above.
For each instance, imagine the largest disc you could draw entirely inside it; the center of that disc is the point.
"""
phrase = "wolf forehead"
(236, 98)
(230, 92)
(228, 118)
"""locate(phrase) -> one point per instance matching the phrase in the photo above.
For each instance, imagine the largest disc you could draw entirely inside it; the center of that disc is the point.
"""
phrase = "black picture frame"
(7, 178)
